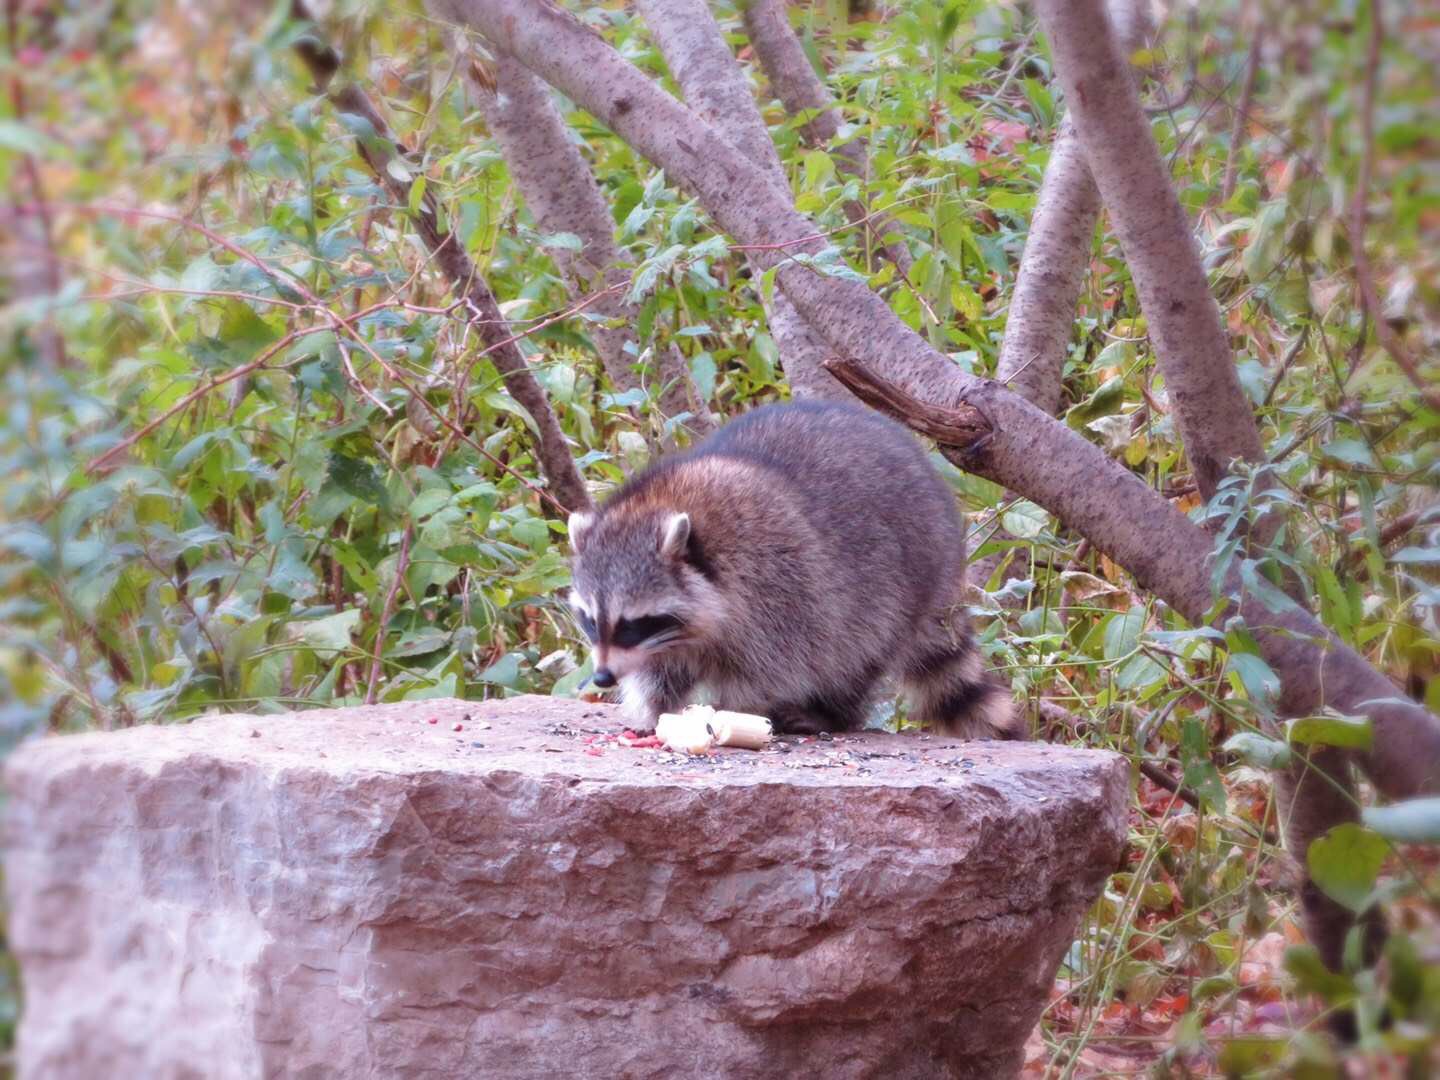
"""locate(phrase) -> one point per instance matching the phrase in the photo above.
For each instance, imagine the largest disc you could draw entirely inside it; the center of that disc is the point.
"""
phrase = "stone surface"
(362, 893)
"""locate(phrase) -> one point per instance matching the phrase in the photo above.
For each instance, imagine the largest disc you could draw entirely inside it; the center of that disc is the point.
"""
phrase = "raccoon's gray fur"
(787, 564)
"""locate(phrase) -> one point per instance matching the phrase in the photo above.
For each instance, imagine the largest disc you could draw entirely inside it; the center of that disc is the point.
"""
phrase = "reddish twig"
(401, 564)
(101, 460)
(1242, 114)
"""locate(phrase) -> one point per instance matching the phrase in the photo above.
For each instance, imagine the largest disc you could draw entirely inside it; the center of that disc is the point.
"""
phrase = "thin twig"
(101, 460)
(1290, 355)
(1242, 114)
(1354, 559)
(401, 564)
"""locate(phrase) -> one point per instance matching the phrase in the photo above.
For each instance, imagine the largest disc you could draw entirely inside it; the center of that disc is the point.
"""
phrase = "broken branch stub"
(957, 427)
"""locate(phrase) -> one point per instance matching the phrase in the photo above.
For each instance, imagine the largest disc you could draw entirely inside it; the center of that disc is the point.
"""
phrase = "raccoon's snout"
(604, 678)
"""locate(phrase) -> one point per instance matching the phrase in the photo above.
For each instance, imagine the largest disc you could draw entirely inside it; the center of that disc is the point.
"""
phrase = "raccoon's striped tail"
(950, 690)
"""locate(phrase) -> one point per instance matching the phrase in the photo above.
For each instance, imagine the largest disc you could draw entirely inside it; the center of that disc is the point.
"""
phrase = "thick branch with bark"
(1191, 345)
(1051, 276)
(551, 447)
(1057, 252)
(560, 190)
(1028, 450)
(800, 90)
(715, 87)
(1214, 417)
(1053, 265)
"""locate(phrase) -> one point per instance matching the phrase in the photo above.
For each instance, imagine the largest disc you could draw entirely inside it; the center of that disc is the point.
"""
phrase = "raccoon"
(788, 565)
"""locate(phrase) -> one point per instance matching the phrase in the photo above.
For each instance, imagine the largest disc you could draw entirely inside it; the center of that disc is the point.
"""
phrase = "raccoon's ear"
(675, 535)
(578, 525)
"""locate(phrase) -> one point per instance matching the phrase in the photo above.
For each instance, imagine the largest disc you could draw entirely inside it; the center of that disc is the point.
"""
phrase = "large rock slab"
(366, 893)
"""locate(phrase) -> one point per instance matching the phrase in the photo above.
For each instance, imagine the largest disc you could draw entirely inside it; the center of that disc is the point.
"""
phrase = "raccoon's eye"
(632, 632)
(587, 624)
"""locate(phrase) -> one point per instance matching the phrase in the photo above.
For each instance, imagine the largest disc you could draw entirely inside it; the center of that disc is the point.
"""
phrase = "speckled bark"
(560, 190)
(1051, 275)
(360, 893)
(1191, 346)
(1030, 451)
(1215, 418)
(800, 90)
(716, 89)
(1052, 268)
(1057, 251)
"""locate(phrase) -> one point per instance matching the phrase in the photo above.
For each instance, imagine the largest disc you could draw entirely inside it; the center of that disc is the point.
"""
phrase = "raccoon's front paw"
(638, 705)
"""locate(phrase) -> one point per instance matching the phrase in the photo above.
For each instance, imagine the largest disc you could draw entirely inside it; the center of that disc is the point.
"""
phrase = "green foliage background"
(239, 555)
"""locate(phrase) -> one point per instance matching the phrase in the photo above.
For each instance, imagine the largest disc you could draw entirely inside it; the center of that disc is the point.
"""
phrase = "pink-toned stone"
(361, 893)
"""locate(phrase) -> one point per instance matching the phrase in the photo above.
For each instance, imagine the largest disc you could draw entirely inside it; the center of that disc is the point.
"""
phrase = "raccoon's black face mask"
(631, 596)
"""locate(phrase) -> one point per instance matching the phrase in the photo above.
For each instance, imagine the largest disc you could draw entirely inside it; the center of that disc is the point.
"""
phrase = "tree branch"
(1191, 346)
(560, 190)
(800, 90)
(960, 428)
(1242, 113)
(1215, 420)
(716, 89)
(551, 448)
(1051, 276)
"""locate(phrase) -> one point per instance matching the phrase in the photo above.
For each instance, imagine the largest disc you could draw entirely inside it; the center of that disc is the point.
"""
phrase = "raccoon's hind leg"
(831, 710)
(950, 690)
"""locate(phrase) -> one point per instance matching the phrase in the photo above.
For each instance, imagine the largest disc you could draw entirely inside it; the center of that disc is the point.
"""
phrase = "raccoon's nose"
(604, 678)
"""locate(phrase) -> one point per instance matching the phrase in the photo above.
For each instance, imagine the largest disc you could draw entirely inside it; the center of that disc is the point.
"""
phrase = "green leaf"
(330, 634)
(1350, 732)
(398, 170)
(1122, 633)
(1348, 452)
(1200, 774)
(818, 169)
(505, 403)
(356, 477)
(1267, 241)
(532, 532)
(1105, 401)
(1313, 977)
(1414, 821)
(355, 565)
(418, 644)
(1025, 520)
(1258, 586)
(22, 139)
(1345, 862)
(562, 241)
(702, 370)
(1261, 683)
(1259, 750)
(504, 672)
(1247, 1055)
(428, 501)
